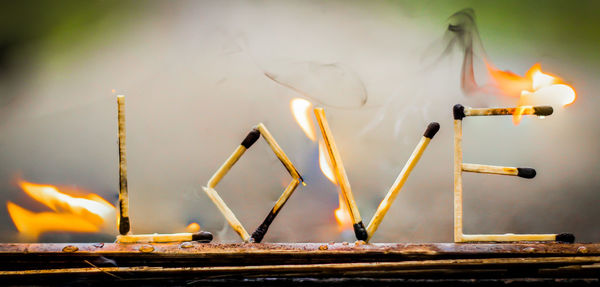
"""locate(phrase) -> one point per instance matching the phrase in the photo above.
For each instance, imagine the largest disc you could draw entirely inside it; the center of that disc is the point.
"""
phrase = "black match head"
(459, 112)
(431, 130)
(526, 172)
(565, 237)
(360, 231)
(543, 110)
(202, 236)
(124, 226)
(251, 138)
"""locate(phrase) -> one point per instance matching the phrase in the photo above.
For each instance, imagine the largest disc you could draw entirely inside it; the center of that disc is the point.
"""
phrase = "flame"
(535, 88)
(325, 162)
(342, 215)
(301, 110)
(193, 227)
(70, 213)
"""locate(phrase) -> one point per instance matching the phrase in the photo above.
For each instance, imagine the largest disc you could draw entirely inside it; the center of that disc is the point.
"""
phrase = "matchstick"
(123, 220)
(509, 237)
(461, 112)
(201, 236)
(386, 203)
(279, 152)
(262, 229)
(340, 174)
(229, 215)
(250, 139)
(524, 110)
(523, 172)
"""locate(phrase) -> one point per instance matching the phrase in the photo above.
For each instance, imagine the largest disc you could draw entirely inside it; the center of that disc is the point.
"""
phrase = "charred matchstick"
(261, 230)
(123, 220)
(250, 139)
(201, 236)
(523, 172)
(340, 174)
(386, 203)
(461, 112)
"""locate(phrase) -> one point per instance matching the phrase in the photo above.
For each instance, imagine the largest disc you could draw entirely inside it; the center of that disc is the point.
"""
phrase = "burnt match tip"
(459, 112)
(431, 130)
(202, 236)
(543, 110)
(360, 231)
(565, 237)
(526, 172)
(251, 138)
(124, 225)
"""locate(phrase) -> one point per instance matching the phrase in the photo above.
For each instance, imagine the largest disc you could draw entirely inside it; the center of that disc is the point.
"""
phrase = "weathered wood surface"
(198, 261)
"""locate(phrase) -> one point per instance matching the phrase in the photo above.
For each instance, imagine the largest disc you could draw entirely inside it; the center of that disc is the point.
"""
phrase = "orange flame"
(535, 88)
(342, 215)
(325, 162)
(70, 213)
(301, 110)
(193, 227)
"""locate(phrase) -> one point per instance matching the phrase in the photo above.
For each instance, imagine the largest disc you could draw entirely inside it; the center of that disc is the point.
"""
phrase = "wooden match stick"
(523, 172)
(524, 110)
(201, 236)
(386, 203)
(123, 220)
(262, 229)
(279, 152)
(461, 112)
(340, 174)
(229, 215)
(509, 237)
(250, 139)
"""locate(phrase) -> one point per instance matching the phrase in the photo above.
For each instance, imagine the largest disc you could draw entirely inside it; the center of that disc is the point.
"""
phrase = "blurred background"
(198, 75)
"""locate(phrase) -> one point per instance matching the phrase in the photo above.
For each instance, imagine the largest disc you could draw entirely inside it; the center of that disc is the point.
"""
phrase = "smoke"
(199, 75)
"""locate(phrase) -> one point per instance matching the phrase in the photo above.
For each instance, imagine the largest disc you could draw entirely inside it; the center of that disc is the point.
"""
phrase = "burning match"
(250, 139)
(123, 220)
(340, 174)
(202, 236)
(386, 203)
(461, 112)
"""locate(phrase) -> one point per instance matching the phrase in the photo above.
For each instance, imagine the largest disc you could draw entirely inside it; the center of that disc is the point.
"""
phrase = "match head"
(565, 237)
(202, 236)
(251, 138)
(526, 172)
(124, 226)
(431, 130)
(543, 110)
(360, 231)
(459, 112)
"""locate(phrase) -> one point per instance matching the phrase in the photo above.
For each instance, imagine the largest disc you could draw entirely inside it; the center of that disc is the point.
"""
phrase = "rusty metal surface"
(202, 262)
(206, 249)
